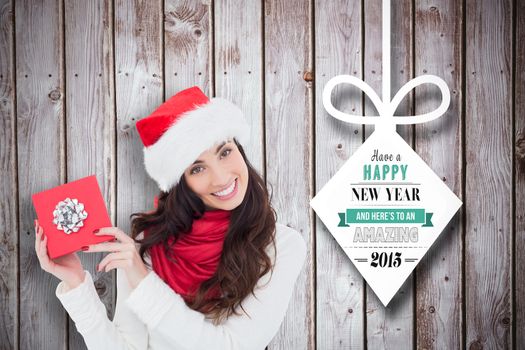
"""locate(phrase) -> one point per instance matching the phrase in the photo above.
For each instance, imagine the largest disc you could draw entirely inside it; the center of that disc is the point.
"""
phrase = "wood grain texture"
(389, 327)
(340, 287)
(438, 46)
(8, 191)
(519, 178)
(288, 113)
(41, 162)
(90, 133)
(139, 91)
(188, 40)
(238, 64)
(488, 135)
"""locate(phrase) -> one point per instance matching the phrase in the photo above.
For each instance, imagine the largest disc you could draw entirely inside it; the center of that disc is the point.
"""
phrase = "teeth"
(226, 191)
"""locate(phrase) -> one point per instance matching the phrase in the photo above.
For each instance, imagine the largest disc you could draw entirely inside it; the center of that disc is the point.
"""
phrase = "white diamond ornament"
(385, 206)
(384, 248)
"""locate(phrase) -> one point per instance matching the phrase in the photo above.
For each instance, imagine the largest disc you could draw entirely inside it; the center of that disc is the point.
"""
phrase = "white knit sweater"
(154, 316)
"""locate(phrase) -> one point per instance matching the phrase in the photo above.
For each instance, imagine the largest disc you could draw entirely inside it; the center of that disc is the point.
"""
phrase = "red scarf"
(197, 254)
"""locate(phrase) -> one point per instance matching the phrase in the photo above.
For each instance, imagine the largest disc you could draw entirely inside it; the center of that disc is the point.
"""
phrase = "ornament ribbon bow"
(386, 107)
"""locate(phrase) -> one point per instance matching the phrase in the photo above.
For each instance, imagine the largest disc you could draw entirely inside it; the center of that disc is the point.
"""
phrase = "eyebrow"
(216, 151)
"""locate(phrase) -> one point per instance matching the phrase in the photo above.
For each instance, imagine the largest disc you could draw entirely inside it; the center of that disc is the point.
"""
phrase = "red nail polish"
(95, 231)
(84, 248)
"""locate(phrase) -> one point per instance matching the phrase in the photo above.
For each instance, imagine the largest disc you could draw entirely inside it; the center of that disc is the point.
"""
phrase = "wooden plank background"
(75, 76)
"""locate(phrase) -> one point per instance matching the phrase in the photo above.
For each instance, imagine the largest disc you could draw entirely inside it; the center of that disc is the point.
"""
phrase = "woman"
(209, 268)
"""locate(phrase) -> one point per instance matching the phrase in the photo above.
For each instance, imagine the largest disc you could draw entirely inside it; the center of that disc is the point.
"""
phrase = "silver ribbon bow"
(69, 215)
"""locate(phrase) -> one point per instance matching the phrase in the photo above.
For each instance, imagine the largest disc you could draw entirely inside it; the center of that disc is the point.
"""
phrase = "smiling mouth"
(227, 191)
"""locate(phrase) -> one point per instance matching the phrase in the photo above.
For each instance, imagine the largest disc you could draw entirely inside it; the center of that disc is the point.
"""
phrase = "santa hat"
(183, 127)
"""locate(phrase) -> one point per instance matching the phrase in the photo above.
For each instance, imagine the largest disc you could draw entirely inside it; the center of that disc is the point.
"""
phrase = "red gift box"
(69, 213)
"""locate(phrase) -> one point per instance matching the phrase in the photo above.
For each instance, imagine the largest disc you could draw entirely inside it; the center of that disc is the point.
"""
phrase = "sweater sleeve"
(168, 317)
(88, 312)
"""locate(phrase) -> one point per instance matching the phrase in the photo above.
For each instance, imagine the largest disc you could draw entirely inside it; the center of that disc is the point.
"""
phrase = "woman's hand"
(123, 254)
(67, 268)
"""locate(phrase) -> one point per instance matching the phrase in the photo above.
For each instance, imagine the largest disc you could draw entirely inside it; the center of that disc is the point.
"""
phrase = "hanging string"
(386, 107)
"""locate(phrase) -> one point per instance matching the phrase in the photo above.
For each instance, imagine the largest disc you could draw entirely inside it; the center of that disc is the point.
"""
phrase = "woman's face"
(219, 176)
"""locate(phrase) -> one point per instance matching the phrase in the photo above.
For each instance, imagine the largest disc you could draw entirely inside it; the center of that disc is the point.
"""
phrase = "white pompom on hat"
(183, 127)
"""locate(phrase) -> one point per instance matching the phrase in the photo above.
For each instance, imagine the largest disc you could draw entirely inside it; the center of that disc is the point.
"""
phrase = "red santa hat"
(183, 127)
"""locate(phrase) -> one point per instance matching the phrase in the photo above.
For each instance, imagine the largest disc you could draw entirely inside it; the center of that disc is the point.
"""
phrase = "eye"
(226, 152)
(193, 171)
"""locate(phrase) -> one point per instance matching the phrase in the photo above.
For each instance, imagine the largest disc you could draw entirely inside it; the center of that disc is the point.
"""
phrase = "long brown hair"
(243, 260)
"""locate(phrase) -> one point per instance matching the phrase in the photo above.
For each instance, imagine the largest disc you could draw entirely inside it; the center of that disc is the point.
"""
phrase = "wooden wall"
(76, 75)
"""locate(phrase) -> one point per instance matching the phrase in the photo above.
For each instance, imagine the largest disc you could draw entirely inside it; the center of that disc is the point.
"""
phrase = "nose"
(220, 177)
